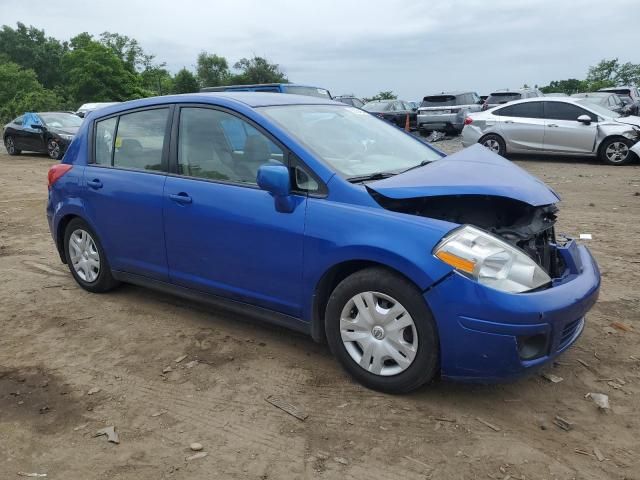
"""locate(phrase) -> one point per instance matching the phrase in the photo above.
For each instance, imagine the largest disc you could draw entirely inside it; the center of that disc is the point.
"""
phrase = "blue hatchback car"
(320, 217)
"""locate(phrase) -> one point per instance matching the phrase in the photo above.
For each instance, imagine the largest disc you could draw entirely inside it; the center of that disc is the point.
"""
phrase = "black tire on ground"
(54, 150)
(495, 143)
(425, 365)
(104, 281)
(10, 145)
(616, 151)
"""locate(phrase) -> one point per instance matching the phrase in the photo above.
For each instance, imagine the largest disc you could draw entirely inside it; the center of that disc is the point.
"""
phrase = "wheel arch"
(613, 136)
(495, 134)
(330, 280)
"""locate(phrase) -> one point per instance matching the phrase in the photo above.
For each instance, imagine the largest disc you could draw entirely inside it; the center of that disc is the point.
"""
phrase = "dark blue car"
(318, 216)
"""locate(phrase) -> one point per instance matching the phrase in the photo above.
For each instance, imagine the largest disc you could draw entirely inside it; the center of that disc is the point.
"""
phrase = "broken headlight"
(490, 260)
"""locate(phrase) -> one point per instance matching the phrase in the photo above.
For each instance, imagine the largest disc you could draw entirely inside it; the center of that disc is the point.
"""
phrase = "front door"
(123, 189)
(223, 233)
(564, 133)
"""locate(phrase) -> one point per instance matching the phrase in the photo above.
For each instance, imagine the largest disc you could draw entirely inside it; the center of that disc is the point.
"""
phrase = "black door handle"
(95, 183)
(181, 197)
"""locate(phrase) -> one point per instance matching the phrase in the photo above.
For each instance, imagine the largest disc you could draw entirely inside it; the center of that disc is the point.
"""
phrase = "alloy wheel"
(84, 255)
(378, 333)
(11, 147)
(492, 145)
(53, 149)
(617, 152)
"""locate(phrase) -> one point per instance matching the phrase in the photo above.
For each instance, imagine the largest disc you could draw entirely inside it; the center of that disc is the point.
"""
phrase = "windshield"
(377, 106)
(601, 111)
(438, 101)
(61, 120)
(308, 91)
(503, 97)
(351, 141)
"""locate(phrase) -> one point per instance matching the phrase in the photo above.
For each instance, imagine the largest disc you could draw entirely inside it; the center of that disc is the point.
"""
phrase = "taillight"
(57, 171)
(468, 121)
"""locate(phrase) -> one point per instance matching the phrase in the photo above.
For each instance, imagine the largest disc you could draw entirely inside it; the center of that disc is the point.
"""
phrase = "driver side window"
(216, 145)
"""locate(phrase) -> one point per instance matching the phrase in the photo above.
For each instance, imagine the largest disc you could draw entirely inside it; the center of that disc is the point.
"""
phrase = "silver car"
(558, 126)
(447, 110)
(608, 100)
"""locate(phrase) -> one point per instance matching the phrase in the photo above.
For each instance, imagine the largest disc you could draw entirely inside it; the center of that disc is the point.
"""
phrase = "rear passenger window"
(219, 146)
(525, 110)
(103, 140)
(140, 139)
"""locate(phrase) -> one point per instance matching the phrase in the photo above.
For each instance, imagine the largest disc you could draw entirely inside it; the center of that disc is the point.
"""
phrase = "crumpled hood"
(65, 130)
(472, 171)
(630, 120)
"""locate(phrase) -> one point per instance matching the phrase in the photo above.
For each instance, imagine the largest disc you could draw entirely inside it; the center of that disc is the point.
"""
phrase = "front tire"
(10, 145)
(54, 150)
(495, 143)
(616, 151)
(380, 329)
(86, 258)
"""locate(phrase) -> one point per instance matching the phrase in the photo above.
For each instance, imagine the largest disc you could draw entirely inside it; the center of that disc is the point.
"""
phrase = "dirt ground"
(60, 344)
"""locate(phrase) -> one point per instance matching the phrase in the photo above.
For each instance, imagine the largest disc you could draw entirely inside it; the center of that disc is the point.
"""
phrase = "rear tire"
(10, 145)
(495, 143)
(616, 151)
(380, 329)
(86, 258)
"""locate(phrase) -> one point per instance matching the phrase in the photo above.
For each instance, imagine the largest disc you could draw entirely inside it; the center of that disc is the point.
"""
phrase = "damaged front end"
(530, 228)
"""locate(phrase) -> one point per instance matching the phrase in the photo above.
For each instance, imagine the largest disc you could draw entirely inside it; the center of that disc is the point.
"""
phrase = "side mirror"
(586, 119)
(275, 179)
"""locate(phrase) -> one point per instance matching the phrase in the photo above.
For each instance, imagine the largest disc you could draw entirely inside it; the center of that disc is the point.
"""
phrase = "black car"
(394, 111)
(349, 100)
(45, 132)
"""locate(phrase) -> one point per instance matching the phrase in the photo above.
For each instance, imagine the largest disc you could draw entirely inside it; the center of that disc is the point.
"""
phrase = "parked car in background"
(607, 100)
(446, 111)
(328, 221)
(90, 107)
(44, 132)
(504, 96)
(394, 111)
(631, 107)
(349, 100)
(558, 126)
(624, 91)
(415, 105)
(273, 87)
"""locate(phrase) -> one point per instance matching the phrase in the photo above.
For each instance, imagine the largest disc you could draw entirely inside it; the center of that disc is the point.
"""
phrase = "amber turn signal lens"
(456, 262)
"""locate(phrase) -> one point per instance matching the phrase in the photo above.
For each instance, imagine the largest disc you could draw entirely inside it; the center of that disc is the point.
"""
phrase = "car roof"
(251, 99)
(455, 92)
(592, 94)
(574, 100)
(611, 89)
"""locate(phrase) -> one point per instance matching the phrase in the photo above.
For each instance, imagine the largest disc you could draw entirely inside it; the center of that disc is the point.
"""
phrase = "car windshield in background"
(308, 91)
(351, 141)
(438, 101)
(61, 120)
(503, 97)
(377, 106)
(601, 111)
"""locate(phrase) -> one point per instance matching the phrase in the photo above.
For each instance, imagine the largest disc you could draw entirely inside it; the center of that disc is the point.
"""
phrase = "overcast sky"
(412, 47)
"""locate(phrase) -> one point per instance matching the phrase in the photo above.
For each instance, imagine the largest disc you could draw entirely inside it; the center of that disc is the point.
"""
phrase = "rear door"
(522, 126)
(123, 188)
(564, 133)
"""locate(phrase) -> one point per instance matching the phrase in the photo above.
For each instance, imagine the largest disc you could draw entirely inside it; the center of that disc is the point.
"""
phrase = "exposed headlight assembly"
(490, 260)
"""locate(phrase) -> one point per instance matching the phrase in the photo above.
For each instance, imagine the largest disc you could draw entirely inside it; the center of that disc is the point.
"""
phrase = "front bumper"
(479, 326)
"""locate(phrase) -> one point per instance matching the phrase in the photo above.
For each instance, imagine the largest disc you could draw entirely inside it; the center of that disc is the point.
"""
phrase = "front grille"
(568, 332)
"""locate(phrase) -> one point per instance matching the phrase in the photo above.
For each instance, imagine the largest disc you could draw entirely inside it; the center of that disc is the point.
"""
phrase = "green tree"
(212, 70)
(569, 86)
(93, 73)
(32, 49)
(185, 82)
(128, 50)
(157, 80)
(384, 95)
(257, 70)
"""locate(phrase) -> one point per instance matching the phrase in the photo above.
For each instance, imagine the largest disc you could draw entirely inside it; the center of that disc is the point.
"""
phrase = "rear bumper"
(479, 327)
(435, 122)
(470, 135)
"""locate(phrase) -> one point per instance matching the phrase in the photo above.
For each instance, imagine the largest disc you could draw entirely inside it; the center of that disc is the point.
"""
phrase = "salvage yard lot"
(58, 343)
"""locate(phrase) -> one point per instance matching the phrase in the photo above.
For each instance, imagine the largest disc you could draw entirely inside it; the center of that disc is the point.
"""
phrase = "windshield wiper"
(421, 164)
(370, 177)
